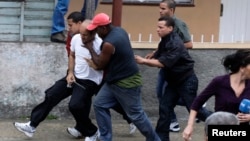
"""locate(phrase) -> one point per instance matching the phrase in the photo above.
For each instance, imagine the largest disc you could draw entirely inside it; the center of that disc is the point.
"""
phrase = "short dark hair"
(169, 20)
(170, 3)
(76, 17)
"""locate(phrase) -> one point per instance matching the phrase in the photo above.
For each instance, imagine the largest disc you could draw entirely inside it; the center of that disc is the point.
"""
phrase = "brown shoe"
(58, 38)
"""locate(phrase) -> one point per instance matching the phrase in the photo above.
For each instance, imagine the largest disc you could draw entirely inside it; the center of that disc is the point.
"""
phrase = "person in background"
(220, 118)
(83, 81)
(58, 33)
(74, 21)
(84, 7)
(229, 90)
(167, 8)
(173, 58)
(122, 80)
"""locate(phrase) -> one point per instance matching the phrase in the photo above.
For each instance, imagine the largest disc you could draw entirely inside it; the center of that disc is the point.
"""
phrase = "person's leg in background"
(84, 7)
(188, 94)
(118, 109)
(161, 84)
(166, 103)
(58, 24)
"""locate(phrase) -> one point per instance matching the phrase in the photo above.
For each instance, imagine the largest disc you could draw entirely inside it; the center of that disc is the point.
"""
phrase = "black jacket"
(178, 64)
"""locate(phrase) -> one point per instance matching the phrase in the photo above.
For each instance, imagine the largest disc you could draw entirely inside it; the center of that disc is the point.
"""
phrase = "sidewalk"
(55, 130)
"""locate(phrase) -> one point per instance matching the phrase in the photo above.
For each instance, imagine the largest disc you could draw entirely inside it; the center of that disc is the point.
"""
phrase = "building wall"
(202, 19)
(28, 20)
(234, 24)
(28, 69)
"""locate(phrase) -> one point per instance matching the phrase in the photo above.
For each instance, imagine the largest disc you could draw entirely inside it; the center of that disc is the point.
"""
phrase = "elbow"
(188, 45)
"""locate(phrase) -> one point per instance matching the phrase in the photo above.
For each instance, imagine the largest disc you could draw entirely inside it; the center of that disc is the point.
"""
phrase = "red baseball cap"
(99, 20)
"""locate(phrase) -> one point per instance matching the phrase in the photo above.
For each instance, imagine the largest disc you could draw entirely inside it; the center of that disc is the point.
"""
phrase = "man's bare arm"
(103, 58)
(188, 45)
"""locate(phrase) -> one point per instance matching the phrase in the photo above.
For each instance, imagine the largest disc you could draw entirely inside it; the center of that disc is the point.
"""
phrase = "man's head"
(74, 21)
(220, 118)
(165, 26)
(167, 8)
(86, 35)
(101, 24)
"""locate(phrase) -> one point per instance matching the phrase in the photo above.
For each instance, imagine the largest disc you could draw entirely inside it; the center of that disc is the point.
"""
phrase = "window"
(151, 2)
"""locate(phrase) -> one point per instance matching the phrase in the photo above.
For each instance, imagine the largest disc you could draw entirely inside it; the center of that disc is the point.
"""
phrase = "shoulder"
(97, 42)
(179, 23)
(221, 79)
(76, 37)
(97, 38)
(178, 20)
(176, 39)
(117, 29)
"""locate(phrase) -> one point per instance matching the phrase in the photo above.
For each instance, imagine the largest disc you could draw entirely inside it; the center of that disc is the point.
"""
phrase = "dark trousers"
(187, 91)
(79, 104)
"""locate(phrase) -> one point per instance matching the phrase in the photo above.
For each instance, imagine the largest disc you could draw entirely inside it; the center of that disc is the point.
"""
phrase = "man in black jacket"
(174, 59)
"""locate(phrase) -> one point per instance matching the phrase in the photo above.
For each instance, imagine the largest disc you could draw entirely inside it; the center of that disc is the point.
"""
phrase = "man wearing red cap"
(122, 79)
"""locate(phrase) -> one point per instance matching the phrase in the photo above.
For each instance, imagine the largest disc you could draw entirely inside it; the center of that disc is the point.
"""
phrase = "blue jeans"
(187, 91)
(58, 24)
(60, 10)
(130, 100)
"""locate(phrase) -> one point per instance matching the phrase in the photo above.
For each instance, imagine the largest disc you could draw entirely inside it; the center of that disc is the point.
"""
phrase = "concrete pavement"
(55, 130)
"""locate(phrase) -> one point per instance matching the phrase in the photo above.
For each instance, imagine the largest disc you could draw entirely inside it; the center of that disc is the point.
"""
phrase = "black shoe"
(58, 38)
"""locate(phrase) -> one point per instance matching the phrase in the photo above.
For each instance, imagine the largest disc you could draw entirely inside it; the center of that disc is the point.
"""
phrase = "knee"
(76, 105)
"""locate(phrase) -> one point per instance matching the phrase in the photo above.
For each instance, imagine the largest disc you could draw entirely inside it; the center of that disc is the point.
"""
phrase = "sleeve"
(68, 43)
(183, 31)
(72, 43)
(97, 44)
(170, 55)
(208, 92)
(186, 34)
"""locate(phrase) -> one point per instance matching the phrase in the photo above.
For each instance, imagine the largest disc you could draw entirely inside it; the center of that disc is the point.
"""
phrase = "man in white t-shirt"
(83, 81)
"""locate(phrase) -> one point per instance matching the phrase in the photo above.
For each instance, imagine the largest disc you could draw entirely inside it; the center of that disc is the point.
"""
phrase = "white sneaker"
(25, 128)
(93, 137)
(204, 105)
(74, 132)
(174, 127)
(132, 128)
(98, 134)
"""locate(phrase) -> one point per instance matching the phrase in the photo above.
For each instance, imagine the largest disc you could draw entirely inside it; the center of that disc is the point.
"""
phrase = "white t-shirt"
(82, 70)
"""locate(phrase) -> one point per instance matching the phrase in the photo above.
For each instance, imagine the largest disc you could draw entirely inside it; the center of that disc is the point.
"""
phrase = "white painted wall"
(234, 24)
